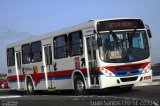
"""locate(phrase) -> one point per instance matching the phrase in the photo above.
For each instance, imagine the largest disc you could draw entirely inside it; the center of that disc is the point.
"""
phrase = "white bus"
(97, 54)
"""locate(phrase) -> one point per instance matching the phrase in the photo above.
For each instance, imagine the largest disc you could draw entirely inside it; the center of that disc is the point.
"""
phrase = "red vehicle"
(4, 83)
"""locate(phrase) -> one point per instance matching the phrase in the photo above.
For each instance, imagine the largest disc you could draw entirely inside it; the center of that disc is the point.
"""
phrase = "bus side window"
(76, 43)
(60, 47)
(26, 53)
(89, 48)
(36, 49)
(10, 57)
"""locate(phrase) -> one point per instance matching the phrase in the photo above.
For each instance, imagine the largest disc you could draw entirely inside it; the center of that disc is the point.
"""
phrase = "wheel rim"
(80, 85)
(30, 88)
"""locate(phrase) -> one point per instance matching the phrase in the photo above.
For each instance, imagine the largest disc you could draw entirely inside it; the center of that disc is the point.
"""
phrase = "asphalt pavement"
(139, 96)
(146, 94)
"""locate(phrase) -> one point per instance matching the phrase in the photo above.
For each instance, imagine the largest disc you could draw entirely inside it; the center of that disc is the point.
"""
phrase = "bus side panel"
(64, 84)
(65, 65)
(63, 75)
(36, 72)
(11, 69)
(63, 72)
(12, 77)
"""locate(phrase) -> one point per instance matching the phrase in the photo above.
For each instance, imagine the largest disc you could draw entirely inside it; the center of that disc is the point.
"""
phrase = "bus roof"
(89, 24)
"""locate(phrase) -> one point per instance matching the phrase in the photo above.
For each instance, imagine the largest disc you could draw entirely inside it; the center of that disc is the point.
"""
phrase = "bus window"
(60, 47)
(10, 57)
(48, 54)
(89, 48)
(36, 51)
(76, 44)
(26, 52)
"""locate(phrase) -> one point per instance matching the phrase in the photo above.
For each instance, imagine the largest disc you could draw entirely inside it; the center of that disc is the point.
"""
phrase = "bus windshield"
(124, 46)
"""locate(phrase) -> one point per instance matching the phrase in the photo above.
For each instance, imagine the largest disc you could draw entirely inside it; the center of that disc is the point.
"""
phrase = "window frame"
(71, 54)
(32, 53)
(26, 54)
(55, 46)
(48, 51)
(10, 58)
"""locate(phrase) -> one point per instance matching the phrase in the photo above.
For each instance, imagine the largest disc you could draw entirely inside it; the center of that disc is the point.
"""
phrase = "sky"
(21, 19)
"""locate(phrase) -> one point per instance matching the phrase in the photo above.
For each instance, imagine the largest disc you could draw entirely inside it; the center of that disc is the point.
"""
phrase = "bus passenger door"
(92, 62)
(19, 69)
(48, 65)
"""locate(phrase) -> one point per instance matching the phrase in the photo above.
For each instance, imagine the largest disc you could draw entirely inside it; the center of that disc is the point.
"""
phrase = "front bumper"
(106, 82)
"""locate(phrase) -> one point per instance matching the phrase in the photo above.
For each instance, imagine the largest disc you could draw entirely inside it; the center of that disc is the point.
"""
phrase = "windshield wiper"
(114, 36)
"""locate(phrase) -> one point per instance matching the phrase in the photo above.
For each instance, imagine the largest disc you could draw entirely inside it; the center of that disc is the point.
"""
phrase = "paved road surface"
(139, 96)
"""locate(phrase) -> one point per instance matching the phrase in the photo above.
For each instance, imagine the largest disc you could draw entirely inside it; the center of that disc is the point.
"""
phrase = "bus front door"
(92, 62)
(48, 68)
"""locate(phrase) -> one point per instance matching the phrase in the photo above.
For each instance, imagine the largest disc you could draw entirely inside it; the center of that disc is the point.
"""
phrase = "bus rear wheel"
(79, 86)
(30, 88)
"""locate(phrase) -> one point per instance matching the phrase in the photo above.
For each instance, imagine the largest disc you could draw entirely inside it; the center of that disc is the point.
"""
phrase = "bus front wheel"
(30, 88)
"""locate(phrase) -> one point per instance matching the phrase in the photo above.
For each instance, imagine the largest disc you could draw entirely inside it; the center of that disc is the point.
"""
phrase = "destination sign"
(120, 24)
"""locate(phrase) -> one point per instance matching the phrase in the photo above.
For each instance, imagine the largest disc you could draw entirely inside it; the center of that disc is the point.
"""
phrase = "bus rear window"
(10, 57)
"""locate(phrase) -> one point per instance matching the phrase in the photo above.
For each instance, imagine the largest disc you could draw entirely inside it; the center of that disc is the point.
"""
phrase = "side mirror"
(99, 41)
(149, 33)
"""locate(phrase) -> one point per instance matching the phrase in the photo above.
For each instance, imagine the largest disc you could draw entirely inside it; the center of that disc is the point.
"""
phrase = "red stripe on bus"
(127, 66)
(49, 74)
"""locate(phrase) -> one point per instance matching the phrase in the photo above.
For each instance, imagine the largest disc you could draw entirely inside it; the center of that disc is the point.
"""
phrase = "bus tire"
(79, 85)
(30, 88)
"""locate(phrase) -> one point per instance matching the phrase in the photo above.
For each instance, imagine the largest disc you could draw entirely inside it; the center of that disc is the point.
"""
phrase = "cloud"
(6, 33)
(7, 36)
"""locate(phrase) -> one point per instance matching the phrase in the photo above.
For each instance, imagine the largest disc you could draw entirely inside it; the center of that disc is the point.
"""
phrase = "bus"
(97, 54)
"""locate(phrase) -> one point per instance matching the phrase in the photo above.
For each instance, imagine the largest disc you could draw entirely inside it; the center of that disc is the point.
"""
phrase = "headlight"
(106, 72)
(147, 69)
